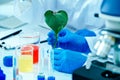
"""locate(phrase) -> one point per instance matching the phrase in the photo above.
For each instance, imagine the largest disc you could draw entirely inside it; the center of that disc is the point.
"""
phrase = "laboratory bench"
(9, 24)
(14, 41)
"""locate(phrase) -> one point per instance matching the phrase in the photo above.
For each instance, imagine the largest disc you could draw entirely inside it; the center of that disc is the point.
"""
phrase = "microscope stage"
(97, 71)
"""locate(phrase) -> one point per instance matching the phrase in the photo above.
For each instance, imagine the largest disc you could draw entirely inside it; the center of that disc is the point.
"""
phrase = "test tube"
(47, 61)
(41, 62)
(51, 61)
(50, 64)
(15, 65)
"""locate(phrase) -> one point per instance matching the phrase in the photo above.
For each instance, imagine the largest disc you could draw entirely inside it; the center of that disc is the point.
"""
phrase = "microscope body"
(104, 62)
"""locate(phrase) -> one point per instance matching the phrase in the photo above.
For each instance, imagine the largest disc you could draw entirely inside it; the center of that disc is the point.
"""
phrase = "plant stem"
(56, 37)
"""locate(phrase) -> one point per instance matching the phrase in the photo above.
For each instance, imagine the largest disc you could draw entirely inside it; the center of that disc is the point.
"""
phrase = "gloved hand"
(51, 36)
(67, 61)
(69, 40)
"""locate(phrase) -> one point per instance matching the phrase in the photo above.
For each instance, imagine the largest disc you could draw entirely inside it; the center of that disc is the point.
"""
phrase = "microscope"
(103, 62)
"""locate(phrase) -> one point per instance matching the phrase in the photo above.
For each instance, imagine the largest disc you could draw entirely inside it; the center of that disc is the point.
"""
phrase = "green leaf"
(56, 20)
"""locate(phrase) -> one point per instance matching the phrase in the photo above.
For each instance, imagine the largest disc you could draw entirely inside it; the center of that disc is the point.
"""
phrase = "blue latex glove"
(69, 40)
(85, 32)
(67, 61)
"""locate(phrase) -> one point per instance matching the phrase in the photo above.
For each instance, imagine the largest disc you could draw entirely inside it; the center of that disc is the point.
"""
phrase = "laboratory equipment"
(48, 61)
(25, 59)
(29, 37)
(35, 53)
(104, 61)
(8, 61)
(46, 64)
(41, 77)
(51, 78)
(2, 75)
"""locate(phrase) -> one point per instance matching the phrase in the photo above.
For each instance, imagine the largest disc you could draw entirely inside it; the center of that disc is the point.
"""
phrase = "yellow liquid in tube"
(25, 63)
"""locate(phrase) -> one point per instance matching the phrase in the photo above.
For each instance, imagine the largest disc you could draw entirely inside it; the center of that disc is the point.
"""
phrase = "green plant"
(56, 21)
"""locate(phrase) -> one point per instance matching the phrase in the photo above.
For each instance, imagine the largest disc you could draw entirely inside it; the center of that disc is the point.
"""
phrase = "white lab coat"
(80, 13)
